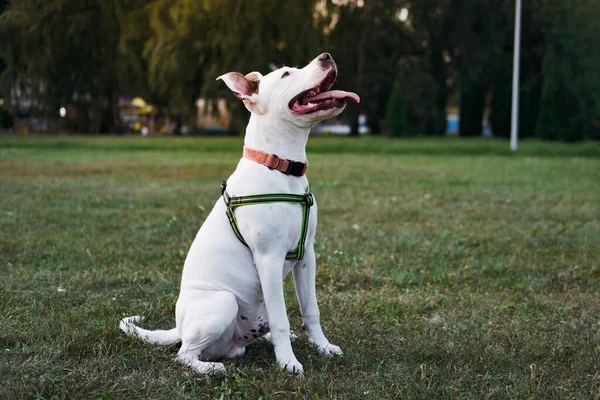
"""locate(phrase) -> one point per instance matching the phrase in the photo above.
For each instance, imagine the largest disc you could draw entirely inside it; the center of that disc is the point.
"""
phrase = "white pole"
(514, 127)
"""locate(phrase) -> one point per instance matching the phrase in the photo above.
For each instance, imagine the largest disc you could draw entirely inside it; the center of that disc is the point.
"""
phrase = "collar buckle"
(295, 168)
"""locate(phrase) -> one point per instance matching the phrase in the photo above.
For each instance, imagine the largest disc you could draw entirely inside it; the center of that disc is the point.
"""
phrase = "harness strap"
(306, 200)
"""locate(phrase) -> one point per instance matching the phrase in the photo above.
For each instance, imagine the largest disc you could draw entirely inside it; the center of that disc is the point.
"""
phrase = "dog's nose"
(325, 57)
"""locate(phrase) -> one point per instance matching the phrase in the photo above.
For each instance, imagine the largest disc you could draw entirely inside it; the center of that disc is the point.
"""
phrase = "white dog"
(232, 284)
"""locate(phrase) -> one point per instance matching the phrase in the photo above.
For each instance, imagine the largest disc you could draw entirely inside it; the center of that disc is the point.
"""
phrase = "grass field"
(447, 269)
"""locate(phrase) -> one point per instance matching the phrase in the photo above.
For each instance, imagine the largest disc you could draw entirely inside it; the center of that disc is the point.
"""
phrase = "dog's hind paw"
(201, 367)
(209, 368)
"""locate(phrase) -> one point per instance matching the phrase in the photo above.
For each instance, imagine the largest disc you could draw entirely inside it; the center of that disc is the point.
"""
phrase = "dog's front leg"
(270, 271)
(304, 279)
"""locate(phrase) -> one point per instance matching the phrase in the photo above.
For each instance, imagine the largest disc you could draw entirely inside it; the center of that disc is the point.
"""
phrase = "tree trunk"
(178, 125)
(472, 106)
(437, 125)
(360, 68)
(353, 112)
(115, 111)
(501, 97)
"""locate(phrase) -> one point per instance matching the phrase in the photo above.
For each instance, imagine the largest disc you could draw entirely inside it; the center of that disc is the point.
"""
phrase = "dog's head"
(298, 96)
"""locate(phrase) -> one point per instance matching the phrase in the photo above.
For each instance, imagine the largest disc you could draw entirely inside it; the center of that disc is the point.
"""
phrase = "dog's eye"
(286, 73)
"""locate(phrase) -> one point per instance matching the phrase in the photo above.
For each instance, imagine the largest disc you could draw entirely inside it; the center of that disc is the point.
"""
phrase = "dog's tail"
(164, 338)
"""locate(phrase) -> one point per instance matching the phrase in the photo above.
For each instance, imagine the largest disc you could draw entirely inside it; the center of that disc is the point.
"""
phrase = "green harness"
(306, 200)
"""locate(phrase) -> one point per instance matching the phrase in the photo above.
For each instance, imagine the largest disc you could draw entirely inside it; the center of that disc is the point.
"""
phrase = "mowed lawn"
(447, 269)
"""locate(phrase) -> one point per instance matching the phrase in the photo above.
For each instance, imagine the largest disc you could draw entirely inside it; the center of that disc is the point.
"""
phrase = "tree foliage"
(63, 51)
(570, 80)
(442, 53)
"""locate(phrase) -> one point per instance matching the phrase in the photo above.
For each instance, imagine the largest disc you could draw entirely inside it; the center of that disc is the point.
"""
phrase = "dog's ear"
(244, 87)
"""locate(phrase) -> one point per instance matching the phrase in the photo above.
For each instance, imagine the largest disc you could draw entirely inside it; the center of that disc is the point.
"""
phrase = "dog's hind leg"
(207, 323)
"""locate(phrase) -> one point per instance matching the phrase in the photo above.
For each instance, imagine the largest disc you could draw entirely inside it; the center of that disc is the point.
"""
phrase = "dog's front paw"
(293, 366)
(328, 349)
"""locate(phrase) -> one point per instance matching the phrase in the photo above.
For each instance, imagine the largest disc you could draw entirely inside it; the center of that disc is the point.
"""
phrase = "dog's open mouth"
(321, 98)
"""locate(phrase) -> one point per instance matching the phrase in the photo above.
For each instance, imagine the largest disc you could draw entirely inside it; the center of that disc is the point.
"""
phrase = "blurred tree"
(163, 45)
(478, 32)
(558, 82)
(3, 6)
(550, 124)
(395, 114)
(177, 48)
(532, 54)
(367, 39)
(6, 120)
(171, 51)
(571, 85)
(420, 93)
(252, 36)
(433, 23)
(54, 52)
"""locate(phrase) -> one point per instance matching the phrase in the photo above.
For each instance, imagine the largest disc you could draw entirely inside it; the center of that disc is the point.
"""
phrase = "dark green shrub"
(395, 113)
(6, 120)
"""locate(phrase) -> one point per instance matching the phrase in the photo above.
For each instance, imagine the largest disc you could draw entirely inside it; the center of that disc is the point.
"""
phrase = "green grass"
(447, 269)
(317, 145)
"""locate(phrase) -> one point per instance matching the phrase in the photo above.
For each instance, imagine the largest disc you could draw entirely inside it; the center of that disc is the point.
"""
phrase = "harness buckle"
(295, 168)
(309, 200)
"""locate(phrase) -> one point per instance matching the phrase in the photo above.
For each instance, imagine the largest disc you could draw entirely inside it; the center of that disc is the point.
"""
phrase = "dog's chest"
(272, 222)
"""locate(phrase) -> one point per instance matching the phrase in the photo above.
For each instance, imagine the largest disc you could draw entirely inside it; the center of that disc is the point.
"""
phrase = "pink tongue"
(334, 94)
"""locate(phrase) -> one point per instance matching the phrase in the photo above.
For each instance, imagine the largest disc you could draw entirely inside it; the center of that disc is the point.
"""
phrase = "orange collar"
(272, 161)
